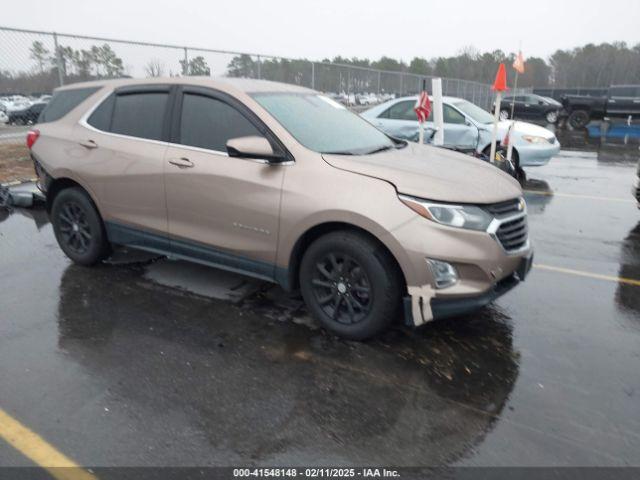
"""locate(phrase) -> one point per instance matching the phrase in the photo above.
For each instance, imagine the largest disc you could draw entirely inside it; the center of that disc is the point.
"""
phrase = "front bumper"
(531, 155)
(416, 313)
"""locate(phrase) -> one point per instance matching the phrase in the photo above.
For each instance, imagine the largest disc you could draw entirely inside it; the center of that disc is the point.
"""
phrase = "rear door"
(222, 210)
(535, 106)
(120, 148)
(400, 120)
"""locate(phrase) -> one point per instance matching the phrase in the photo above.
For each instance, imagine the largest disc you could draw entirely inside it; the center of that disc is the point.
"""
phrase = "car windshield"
(323, 125)
(475, 112)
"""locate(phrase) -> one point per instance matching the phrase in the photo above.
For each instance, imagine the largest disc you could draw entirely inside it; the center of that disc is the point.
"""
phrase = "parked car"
(26, 116)
(467, 127)
(281, 183)
(530, 106)
(621, 101)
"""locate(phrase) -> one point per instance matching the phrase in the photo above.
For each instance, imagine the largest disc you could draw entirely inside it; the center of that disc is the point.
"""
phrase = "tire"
(504, 114)
(350, 284)
(579, 118)
(551, 117)
(78, 227)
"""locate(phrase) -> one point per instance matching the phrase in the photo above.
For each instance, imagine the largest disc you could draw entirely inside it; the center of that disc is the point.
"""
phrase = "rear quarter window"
(63, 102)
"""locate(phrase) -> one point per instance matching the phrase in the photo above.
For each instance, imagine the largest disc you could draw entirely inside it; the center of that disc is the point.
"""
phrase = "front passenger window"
(209, 123)
(451, 115)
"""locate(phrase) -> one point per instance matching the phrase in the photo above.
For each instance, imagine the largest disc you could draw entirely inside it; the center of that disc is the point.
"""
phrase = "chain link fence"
(33, 63)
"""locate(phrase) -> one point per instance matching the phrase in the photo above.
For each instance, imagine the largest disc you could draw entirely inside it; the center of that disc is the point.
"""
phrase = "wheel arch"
(61, 183)
(289, 277)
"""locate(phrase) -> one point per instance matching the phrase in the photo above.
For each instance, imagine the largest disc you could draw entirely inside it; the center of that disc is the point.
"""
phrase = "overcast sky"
(362, 28)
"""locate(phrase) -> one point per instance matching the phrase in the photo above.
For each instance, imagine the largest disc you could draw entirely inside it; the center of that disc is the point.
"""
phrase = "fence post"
(259, 67)
(313, 75)
(58, 59)
(185, 67)
(378, 82)
(401, 83)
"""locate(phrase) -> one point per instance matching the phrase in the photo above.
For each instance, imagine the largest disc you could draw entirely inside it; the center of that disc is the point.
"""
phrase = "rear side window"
(63, 102)
(402, 111)
(139, 114)
(209, 123)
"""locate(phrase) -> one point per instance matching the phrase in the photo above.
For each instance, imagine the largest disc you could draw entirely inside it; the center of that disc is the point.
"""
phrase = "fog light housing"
(444, 273)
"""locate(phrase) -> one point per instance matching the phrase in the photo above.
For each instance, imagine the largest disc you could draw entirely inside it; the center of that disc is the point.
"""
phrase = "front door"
(222, 210)
(458, 132)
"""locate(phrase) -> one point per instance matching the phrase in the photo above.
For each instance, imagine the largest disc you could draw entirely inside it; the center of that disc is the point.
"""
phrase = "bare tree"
(154, 68)
(40, 54)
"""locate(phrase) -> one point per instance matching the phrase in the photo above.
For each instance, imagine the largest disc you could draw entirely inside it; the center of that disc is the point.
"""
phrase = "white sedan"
(467, 127)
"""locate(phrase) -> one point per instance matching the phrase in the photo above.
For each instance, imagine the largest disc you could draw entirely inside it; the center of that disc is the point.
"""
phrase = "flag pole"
(513, 122)
(496, 119)
(520, 61)
(420, 124)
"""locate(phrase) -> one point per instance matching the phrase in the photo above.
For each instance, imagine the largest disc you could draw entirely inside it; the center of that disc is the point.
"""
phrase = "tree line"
(586, 66)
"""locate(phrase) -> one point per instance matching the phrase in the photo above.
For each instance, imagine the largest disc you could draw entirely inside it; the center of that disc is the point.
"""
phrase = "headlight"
(533, 139)
(461, 216)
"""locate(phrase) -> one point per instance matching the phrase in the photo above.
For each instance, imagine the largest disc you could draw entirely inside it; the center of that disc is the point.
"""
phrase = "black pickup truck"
(621, 101)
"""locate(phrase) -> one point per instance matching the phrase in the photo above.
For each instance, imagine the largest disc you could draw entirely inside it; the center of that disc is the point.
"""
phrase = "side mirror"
(253, 146)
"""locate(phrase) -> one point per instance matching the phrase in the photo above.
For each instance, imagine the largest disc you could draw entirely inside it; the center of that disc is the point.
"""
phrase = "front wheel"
(78, 227)
(551, 117)
(350, 284)
(504, 115)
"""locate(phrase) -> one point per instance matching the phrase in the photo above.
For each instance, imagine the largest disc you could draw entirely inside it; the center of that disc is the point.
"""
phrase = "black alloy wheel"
(342, 288)
(78, 227)
(351, 284)
(75, 231)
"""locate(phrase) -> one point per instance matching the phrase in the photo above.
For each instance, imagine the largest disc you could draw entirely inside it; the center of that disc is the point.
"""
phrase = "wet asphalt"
(147, 362)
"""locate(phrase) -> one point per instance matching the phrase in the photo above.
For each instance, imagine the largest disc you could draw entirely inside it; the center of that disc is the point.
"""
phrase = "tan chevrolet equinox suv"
(284, 184)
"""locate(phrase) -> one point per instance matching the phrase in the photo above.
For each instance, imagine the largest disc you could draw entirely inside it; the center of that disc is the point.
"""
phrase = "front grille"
(512, 234)
(505, 209)
(511, 219)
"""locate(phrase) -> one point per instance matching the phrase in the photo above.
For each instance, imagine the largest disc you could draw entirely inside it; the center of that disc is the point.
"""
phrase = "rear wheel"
(350, 284)
(579, 118)
(78, 227)
(504, 114)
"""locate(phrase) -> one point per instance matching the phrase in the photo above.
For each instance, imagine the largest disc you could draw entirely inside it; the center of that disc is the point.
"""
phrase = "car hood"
(433, 173)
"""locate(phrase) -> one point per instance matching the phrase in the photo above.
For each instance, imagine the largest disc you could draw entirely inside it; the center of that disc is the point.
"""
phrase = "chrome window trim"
(85, 123)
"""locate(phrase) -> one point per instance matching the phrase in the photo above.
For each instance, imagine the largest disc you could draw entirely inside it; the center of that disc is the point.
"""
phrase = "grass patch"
(15, 162)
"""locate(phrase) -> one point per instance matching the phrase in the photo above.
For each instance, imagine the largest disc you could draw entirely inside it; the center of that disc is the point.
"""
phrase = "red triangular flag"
(500, 83)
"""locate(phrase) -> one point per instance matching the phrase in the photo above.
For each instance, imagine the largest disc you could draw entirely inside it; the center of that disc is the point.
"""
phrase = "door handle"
(182, 162)
(88, 144)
